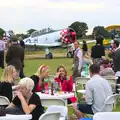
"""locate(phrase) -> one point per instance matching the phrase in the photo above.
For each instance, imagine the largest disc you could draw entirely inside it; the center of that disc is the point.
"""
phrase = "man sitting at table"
(97, 91)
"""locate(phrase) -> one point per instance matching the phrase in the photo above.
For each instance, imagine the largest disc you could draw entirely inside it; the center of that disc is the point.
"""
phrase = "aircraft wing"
(44, 45)
(90, 41)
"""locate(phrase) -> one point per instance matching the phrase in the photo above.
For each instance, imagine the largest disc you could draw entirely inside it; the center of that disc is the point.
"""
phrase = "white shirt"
(80, 57)
(97, 91)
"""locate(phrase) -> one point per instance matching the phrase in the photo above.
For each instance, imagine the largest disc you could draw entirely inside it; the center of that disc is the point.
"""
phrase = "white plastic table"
(63, 96)
(16, 117)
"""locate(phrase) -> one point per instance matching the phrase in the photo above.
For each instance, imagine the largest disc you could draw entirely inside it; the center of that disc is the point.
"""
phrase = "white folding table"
(63, 96)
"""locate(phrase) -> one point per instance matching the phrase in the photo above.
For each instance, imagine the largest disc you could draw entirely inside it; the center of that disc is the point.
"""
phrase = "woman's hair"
(8, 72)
(41, 69)
(86, 56)
(61, 66)
(99, 40)
(27, 82)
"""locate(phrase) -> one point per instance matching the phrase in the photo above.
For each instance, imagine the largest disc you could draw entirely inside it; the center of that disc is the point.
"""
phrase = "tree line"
(80, 28)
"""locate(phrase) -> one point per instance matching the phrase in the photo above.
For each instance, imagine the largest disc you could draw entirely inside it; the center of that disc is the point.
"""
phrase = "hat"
(14, 38)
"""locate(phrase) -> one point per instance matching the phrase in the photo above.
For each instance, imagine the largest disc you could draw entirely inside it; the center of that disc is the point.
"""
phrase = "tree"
(30, 31)
(80, 28)
(1, 32)
(99, 30)
(23, 36)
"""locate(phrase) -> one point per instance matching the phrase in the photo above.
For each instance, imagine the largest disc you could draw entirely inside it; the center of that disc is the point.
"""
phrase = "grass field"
(31, 67)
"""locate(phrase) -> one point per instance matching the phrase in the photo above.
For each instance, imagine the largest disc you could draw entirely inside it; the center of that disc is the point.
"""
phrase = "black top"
(97, 51)
(35, 100)
(116, 60)
(15, 51)
(35, 78)
(6, 90)
(22, 44)
(84, 47)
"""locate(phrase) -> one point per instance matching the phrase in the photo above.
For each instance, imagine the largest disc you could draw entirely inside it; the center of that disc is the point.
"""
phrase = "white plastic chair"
(50, 116)
(48, 102)
(107, 116)
(80, 81)
(62, 109)
(4, 100)
(16, 117)
(81, 91)
(111, 100)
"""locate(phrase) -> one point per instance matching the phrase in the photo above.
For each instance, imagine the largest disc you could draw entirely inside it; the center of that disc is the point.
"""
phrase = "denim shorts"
(84, 108)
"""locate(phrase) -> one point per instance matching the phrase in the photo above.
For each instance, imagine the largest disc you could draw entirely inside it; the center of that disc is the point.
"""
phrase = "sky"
(21, 15)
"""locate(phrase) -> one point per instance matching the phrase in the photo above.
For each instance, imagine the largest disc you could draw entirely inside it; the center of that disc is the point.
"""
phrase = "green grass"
(31, 67)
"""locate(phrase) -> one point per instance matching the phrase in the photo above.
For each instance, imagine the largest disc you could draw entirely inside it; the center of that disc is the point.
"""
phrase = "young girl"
(38, 78)
(66, 82)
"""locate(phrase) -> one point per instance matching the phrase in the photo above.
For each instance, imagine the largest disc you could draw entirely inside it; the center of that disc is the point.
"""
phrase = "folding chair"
(111, 100)
(62, 109)
(4, 100)
(16, 117)
(107, 116)
(48, 102)
(50, 116)
(79, 85)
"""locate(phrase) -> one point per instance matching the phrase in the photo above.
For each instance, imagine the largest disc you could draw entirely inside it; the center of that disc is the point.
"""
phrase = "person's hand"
(72, 66)
(57, 74)
(19, 94)
(67, 78)
(83, 97)
(74, 105)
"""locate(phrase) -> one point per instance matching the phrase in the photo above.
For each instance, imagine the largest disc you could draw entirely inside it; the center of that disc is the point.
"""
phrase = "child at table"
(66, 82)
(38, 78)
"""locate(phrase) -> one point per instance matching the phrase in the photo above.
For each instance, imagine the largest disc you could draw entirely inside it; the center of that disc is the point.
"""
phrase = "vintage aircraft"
(51, 38)
(115, 30)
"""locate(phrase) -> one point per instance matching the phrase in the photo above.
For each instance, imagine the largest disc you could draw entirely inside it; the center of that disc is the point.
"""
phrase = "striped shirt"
(80, 57)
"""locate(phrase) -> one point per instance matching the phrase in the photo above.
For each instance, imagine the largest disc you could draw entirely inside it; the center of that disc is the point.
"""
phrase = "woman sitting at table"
(66, 82)
(10, 74)
(106, 69)
(26, 102)
(38, 78)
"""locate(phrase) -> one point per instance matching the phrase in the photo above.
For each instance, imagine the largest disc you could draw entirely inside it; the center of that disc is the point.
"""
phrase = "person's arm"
(4, 46)
(80, 56)
(11, 105)
(88, 95)
(92, 52)
(70, 84)
(26, 108)
(22, 55)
